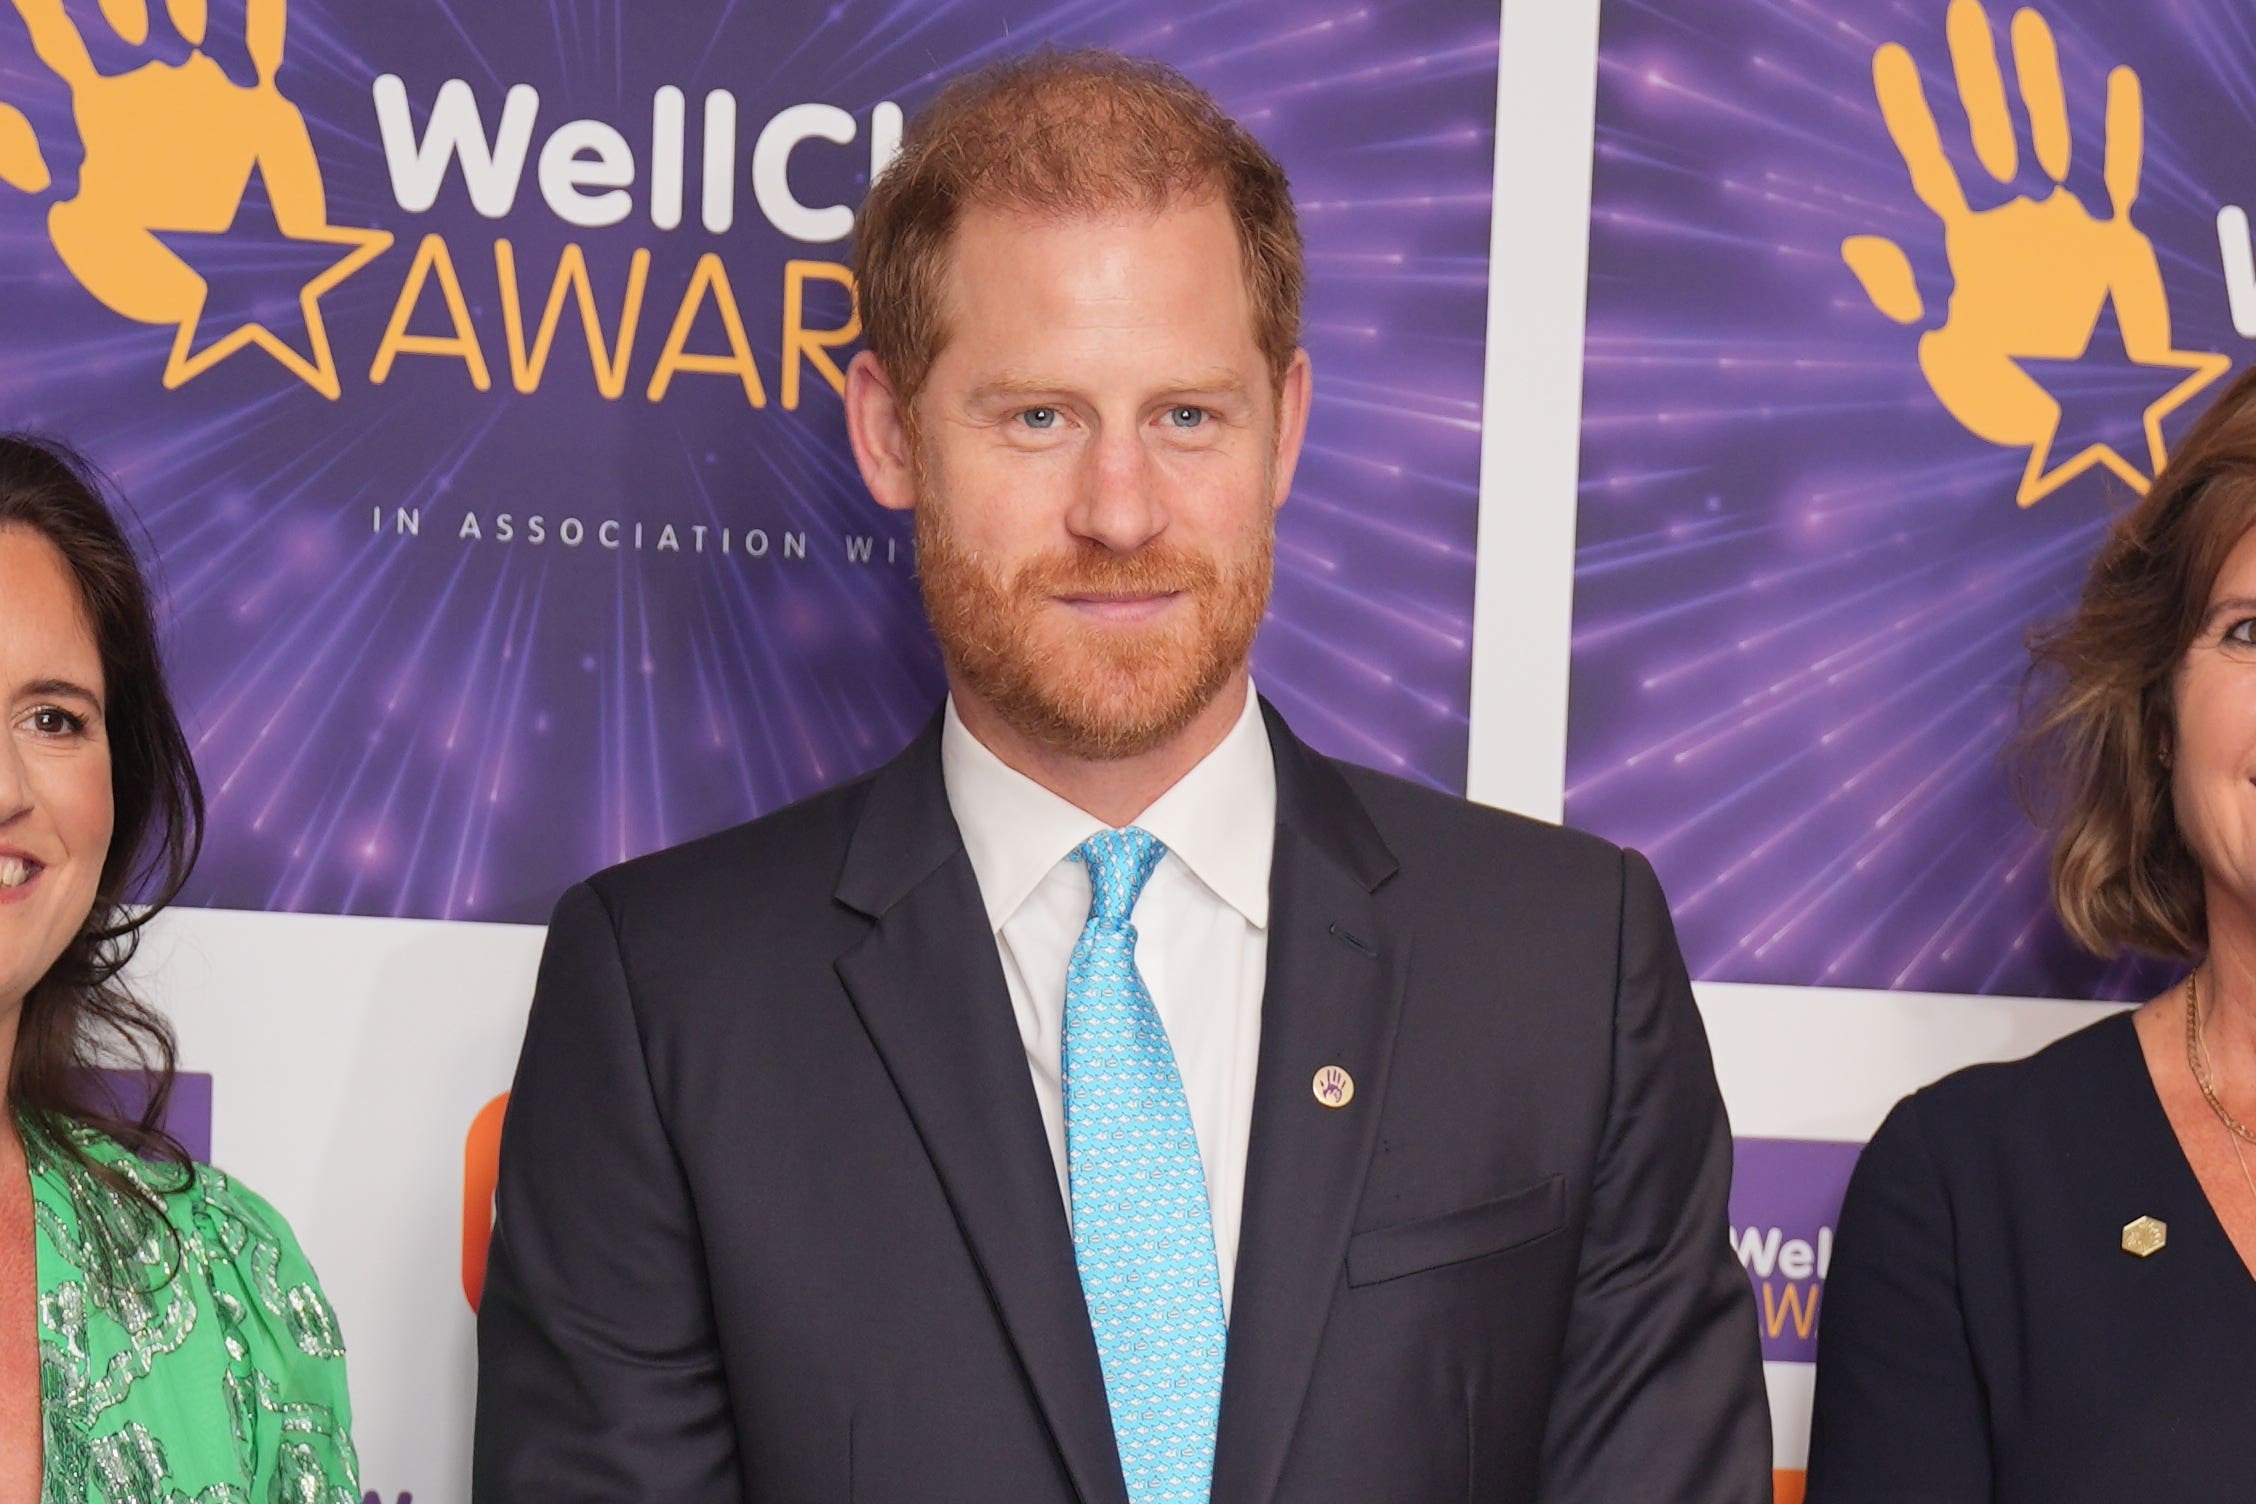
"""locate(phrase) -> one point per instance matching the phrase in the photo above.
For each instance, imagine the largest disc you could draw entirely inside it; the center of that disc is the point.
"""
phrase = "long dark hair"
(80, 1018)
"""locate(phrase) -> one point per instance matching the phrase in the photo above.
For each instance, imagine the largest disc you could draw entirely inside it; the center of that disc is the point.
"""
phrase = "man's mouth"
(1138, 606)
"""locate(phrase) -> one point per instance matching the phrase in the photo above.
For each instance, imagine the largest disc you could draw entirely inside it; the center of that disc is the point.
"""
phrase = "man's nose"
(1120, 506)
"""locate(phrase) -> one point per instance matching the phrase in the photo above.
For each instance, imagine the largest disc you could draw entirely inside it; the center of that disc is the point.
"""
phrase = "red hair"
(1065, 133)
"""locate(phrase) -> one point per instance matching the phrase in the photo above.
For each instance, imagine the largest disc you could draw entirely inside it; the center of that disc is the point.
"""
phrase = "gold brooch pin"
(2145, 1237)
(1333, 1087)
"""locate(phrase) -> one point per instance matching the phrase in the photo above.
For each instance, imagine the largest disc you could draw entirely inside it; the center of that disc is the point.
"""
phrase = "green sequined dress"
(212, 1374)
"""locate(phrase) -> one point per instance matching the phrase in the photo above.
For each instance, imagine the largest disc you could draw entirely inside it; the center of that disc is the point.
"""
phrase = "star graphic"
(241, 267)
(2096, 387)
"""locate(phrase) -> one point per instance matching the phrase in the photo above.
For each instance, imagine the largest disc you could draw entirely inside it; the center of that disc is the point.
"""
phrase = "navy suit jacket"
(777, 1219)
(1986, 1338)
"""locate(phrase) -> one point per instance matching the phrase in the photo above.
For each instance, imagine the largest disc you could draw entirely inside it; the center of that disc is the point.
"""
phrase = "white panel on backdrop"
(348, 1058)
(1828, 1063)
(1539, 245)
(1791, 1387)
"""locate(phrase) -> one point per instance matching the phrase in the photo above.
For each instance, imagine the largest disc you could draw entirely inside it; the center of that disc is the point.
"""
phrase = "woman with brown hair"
(161, 1334)
(2044, 1284)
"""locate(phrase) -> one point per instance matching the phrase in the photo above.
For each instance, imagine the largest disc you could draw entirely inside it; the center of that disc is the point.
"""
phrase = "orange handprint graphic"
(172, 149)
(2032, 277)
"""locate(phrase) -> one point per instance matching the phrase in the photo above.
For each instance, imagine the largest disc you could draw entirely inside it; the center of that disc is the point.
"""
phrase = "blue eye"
(1187, 417)
(1039, 417)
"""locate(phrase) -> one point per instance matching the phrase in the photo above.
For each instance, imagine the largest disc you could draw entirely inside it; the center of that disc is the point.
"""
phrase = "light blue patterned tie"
(1142, 1232)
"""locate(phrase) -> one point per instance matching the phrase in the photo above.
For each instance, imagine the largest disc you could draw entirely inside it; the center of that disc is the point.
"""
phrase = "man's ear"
(1293, 394)
(878, 426)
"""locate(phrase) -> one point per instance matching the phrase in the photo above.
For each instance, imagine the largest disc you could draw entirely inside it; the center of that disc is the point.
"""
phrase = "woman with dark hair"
(2043, 1285)
(161, 1334)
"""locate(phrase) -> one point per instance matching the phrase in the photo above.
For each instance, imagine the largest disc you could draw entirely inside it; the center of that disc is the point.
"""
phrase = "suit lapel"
(930, 990)
(1332, 996)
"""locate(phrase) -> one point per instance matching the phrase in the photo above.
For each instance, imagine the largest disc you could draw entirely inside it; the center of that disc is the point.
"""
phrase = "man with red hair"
(1131, 1106)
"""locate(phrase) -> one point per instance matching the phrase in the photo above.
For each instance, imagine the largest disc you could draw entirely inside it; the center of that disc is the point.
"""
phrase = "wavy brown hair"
(80, 1018)
(1064, 133)
(2102, 697)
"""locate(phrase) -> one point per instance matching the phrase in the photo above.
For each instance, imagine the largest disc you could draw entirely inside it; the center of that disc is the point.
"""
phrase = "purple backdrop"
(434, 726)
(188, 1112)
(1802, 586)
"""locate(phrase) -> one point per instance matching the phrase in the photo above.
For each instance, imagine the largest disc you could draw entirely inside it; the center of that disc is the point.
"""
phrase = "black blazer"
(777, 1219)
(1986, 1338)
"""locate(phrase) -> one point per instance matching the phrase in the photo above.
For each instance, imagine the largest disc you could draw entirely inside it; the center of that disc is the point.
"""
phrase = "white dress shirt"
(1202, 927)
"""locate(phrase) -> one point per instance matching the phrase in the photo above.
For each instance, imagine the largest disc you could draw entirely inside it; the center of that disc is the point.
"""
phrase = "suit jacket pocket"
(1521, 1216)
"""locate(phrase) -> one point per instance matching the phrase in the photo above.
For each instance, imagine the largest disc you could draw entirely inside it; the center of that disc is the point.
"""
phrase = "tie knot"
(1120, 862)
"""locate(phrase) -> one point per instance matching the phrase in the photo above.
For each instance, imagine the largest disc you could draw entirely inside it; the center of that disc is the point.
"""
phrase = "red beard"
(1100, 691)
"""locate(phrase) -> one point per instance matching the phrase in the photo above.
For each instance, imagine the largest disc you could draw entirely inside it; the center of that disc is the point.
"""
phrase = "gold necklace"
(2197, 1053)
(2198, 1058)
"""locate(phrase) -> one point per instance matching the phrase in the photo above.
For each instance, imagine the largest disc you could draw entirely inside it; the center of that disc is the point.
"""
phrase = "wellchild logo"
(1785, 1196)
(2034, 276)
(179, 159)
(201, 203)
(585, 174)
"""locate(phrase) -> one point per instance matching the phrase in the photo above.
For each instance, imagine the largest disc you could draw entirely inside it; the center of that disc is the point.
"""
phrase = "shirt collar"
(1220, 819)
